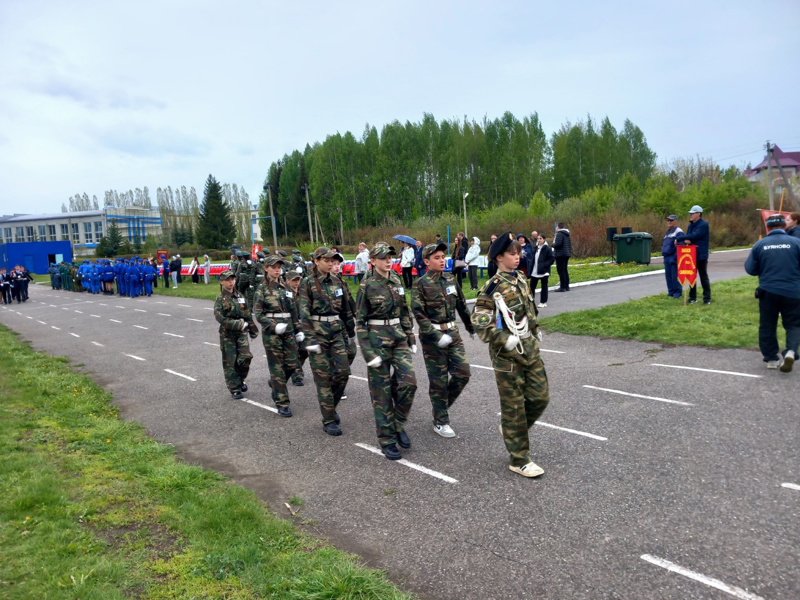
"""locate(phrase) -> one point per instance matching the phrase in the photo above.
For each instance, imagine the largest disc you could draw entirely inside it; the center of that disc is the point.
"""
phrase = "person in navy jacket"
(697, 233)
(670, 254)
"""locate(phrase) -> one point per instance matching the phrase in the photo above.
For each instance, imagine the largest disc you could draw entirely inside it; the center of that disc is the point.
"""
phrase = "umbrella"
(405, 238)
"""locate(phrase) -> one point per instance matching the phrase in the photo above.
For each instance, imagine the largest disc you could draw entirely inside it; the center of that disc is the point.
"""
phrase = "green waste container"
(633, 247)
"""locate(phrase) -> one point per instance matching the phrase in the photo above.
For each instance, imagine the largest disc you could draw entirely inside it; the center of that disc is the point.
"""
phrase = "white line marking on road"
(136, 357)
(411, 465)
(98, 316)
(101, 304)
(42, 322)
(139, 310)
(207, 308)
(164, 314)
(198, 320)
(707, 370)
(53, 305)
(78, 311)
(173, 334)
(98, 344)
(160, 302)
(264, 406)
(553, 351)
(791, 486)
(62, 308)
(357, 377)
(115, 321)
(591, 387)
(140, 327)
(185, 305)
(180, 375)
(54, 327)
(575, 431)
(27, 317)
(115, 306)
(709, 581)
(482, 367)
(74, 334)
(217, 345)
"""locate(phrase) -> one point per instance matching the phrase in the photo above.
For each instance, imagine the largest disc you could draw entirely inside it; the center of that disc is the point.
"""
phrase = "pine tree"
(215, 227)
(113, 240)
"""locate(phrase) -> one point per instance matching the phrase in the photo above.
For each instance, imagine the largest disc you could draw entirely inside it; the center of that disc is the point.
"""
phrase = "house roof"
(17, 218)
(787, 159)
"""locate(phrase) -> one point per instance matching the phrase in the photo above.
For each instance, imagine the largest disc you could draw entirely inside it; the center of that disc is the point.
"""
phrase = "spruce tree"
(215, 227)
(113, 239)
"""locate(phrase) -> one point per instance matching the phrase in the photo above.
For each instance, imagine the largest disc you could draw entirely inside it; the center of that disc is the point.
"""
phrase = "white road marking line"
(173, 334)
(74, 334)
(53, 305)
(62, 308)
(101, 304)
(115, 321)
(98, 316)
(139, 310)
(707, 370)
(198, 320)
(27, 317)
(136, 357)
(42, 322)
(217, 345)
(482, 367)
(264, 406)
(98, 344)
(357, 377)
(160, 302)
(207, 308)
(575, 431)
(115, 306)
(185, 305)
(164, 314)
(140, 327)
(411, 465)
(180, 375)
(54, 327)
(591, 387)
(709, 581)
(78, 311)
(553, 351)
(791, 486)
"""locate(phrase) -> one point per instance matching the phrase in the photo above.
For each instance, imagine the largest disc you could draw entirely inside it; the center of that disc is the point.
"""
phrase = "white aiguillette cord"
(510, 322)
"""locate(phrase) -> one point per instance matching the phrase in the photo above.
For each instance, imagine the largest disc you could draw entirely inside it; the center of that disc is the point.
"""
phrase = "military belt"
(278, 315)
(443, 326)
(324, 319)
(383, 322)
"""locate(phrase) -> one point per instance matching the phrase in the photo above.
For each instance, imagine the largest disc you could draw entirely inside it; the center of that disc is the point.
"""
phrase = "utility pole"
(341, 225)
(308, 209)
(268, 189)
(465, 214)
(769, 175)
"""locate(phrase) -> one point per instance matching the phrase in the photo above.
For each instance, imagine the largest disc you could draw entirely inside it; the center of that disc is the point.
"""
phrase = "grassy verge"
(94, 509)
(731, 321)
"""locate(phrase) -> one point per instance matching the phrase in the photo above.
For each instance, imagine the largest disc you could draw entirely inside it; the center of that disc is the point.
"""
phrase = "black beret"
(500, 244)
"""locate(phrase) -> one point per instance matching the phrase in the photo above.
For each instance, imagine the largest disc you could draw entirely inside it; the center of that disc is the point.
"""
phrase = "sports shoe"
(706, 302)
(244, 387)
(332, 429)
(336, 418)
(391, 452)
(560, 290)
(237, 395)
(298, 382)
(529, 470)
(344, 397)
(692, 302)
(542, 305)
(774, 364)
(788, 361)
(444, 430)
(284, 411)
(403, 440)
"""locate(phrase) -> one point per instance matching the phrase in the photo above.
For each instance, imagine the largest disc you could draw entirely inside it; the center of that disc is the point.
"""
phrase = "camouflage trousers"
(283, 362)
(236, 359)
(524, 395)
(302, 356)
(392, 386)
(448, 374)
(352, 350)
(331, 372)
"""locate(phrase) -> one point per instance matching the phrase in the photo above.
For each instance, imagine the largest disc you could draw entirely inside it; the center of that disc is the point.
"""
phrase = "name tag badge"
(450, 290)
(240, 300)
(401, 291)
(338, 292)
(289, 294)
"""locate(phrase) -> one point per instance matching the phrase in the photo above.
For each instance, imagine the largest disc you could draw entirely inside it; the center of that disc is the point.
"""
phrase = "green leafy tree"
(215, 227)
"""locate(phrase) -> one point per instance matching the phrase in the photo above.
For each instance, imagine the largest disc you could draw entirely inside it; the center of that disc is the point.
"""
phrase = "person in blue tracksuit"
(119, 273)
(149, 276)
(134, 276)
(698, 234)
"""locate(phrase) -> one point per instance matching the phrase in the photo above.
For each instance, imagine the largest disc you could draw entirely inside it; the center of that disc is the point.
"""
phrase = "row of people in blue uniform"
(135, 276)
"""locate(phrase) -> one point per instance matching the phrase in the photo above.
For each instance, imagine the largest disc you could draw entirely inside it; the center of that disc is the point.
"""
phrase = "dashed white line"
(264, 406)
(74, 334)
(553, 351)
(140, 327)
(78, 311)
(791, 486)
(173, 334)
(575, 431)
(482, 367)
(64, 308)
(136, 357)
(101, 304)
(98, 344)
(115, 306)
(708, 370)
(164, 314)
(180, 375)
(115, 321)
(709, 581)
(27, 317)
(54, 327)
(357, 377)
(42, 322)
(98, 316)
(411, 465)
(53, 306)
(197, 320)
(160, 302)
(139, 310)
(207, 308)
(591, 387)
(217, 345)
(185, 305)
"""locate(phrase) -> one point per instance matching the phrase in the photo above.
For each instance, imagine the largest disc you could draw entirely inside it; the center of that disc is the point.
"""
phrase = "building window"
(76, 234)
(20, 234)
(52, 230)
(29, 233)
(98, 230)
(42, 234)
(7, 232)
(87, 232)
(64, 232)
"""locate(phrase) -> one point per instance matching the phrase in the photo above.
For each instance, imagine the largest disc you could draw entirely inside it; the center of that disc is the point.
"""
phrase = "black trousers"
(543, 280)
(458, 272)
(473, 277)
(702, 275)
(563, 272)
(770, 306)
(408, 277)
(6, 289)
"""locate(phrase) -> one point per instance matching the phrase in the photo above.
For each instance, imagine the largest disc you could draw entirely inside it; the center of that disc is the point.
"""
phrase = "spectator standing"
(526, 255)
(362, 262)
(793, 224)
(407, 257)
(419, 261)
(179, 262)
(439, 240)
(698, 233)
(543, 259)
(193, 270)
(775, 259)
(165, 272)
(458, 256)
(471, 258)
(492, 268)
(173, 271)
(562, 251)
(670, 253)
(206, 270)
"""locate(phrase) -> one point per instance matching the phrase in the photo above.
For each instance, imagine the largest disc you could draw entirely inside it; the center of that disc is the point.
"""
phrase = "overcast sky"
(102, 95)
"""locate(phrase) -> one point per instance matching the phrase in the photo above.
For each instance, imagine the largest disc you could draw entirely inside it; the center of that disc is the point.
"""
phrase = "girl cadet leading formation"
(387, 341)
(275, 309)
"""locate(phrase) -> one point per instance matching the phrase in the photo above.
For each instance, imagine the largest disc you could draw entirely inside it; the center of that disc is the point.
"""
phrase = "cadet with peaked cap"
(276, 310)
(245, 276)
(505, 317)
(299, 264)
(325, 318)
(352, 348)
(235, 324)
(386, 334)
(293, 282)
(435, 301)
(259, 265)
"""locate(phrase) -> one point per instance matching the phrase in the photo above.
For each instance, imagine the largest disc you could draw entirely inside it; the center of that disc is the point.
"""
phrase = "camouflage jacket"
(229, 309)
(259, 273)
(275, 297)
(300, 267)
(382, 298)
(244, 273)
(435, 298)
(324, 295)
(489, 325)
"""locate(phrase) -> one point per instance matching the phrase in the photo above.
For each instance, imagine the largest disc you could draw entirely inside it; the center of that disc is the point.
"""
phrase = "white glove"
(474, 336)
(242, 324)
(414, 348)
(280, 328)
(316, 349)
(249, 262)
(300, 337)
(375, 362)
(444, 341)
(511, 343)
(299, 269)
(540, 335)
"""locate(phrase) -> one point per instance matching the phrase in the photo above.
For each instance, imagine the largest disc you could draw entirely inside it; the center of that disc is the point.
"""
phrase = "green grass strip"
(731, 321)
(94, 509)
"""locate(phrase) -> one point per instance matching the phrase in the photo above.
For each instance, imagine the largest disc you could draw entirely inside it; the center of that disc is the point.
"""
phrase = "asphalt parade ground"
(670, 472)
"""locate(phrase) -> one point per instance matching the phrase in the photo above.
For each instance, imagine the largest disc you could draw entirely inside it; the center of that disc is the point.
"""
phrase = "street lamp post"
(268, 189)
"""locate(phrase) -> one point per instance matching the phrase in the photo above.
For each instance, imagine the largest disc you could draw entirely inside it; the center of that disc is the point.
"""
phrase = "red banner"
(768, 213)
(687, 265)
(256, 248)
(162, 255)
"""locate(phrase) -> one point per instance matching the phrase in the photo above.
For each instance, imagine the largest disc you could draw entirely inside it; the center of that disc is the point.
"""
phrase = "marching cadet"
(293, 281)
(435, 300)
(325, 317)
(258, 270)
(298, 264)
(275, 308)
(385, 332)
(235, 323)
(244, 275)
(352, 347)
(505, 317)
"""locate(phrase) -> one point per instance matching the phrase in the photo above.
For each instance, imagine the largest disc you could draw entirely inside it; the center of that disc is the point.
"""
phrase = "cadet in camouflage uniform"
(258, 269)
(385, 332)
(435, 300)
(352, 349)
(299, 264)
(245, 277)
(325, 317)
(505, 317)
(276, 310)
(235, 323)
(293, 281)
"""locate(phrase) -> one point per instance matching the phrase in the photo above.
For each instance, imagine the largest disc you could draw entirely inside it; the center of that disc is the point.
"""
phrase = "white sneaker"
(774, 364)
(542, 305)
(174, 287)
(444, 431)
(529, 470)
(788, 361)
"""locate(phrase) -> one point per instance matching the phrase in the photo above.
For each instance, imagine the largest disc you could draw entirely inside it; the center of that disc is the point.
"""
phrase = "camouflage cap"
(292, 274)
(431, 248)
(273, 259)
(382, 250)
(226, 274)
(323, 252)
